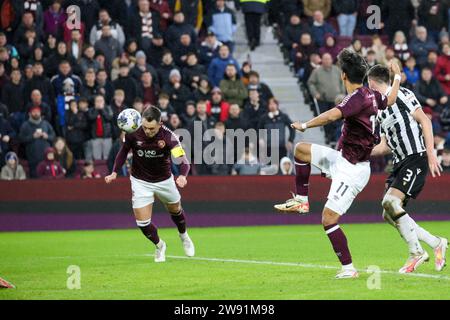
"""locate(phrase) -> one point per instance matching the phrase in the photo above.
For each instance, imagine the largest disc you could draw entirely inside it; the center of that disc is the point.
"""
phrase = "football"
(129, 120)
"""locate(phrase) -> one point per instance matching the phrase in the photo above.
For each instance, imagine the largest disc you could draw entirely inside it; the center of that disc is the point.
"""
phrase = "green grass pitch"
(297, 263)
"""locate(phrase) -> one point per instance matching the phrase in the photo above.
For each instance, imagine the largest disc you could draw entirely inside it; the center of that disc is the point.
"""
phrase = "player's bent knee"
(329, 217)
(174, 208)
(392, 206)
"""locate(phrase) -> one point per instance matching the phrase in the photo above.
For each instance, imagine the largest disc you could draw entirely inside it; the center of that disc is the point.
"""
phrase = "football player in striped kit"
(407, 133)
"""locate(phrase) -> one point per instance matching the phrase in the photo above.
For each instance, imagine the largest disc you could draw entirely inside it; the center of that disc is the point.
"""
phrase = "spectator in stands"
(12, 97)
(356, 46)
(12, 170)
(371, 58)
(219, 165)
(235, 119)
(218, 107)
(88, 171)
(11, 14)
(315, 61)
(203, 91)
(330, 47)
(293, 31)
(255, 83)
(166, 67)
(411, 71)
(28, 24)
(193, 71)
(379, 47)
(254, 109)
(432, 59)
(320, 28)
(188, 117)
(178, 92)
(277, 120)
(442, 68)
(36, 101)
(446, 160)
(148, 90)
(166, 108)
(325, 85)
(145, 24)
(433, 16)
(222, 22)
(75, 45)
(142, 66)
(245, 72)
(37, 135)
(397, 15)
(429, 91)
(390, 57)
(177, 29)
(302, 52)
(100, 118)
(165, 13)
(216, 70)
(65, 73)
(105, 87)
(248, 165)
(312, 6)
(108, 45)
(174, 122)
(65, 157)
(156, 50)
(27, 45)
(6, 135)
(253, 10)
(90, 89)
(209, 48)
(421, 45)
(76, 125)
(127, 84)
(346, 11)
(88, 61)
(183, 48)
(54, 19)
(232, 88)
(401, 46)
(286, 167)
(105, 19)
(40, 82)
(61, 54)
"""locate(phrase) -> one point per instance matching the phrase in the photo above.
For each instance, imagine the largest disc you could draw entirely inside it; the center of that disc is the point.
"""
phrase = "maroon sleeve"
(382, 100)
(351, 105)
(122, 155)
(185, 167)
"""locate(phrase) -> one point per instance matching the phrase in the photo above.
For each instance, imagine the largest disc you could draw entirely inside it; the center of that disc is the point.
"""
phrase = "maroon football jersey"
(359, 135)
(151, 156)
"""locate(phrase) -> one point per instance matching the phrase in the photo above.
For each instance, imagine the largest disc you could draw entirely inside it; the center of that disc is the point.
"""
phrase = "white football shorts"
(348, 179)
(144, 192)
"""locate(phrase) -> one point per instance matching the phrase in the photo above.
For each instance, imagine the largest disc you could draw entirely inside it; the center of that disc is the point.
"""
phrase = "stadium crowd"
(62, 86)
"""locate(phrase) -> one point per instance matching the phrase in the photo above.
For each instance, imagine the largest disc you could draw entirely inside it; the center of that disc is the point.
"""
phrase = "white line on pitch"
(305, 265)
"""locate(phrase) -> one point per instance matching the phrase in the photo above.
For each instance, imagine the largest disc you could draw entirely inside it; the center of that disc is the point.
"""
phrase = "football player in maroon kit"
(348, 166)
(153, 146)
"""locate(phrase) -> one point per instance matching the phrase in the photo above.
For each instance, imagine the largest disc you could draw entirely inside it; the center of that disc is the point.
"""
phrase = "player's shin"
(149, 230)
(302, 173)
(424, 235)
(180, 221)
(340, 246)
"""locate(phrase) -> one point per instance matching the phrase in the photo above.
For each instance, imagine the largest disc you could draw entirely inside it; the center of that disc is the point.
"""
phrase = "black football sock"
(180, 220)
(149, 230)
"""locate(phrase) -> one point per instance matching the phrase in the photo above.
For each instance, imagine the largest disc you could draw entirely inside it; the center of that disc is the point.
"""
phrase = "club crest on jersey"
(161, 144)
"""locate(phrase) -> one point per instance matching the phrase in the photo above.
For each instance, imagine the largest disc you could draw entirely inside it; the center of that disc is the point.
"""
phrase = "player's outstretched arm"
(381, 149)
(392, 97)
(118, 162)
(427, 128)
(321, 120)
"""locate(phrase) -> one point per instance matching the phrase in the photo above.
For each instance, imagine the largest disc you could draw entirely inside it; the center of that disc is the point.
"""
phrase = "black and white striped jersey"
(403, 133)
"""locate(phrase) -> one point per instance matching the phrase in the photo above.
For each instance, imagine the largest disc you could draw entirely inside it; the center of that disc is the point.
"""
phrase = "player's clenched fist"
(111, 177)
(181, 181)
(298, 126)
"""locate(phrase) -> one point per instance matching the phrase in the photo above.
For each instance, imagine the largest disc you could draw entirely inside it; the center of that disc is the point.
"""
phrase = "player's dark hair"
(379, 74)
(152, 113)
(353, 65)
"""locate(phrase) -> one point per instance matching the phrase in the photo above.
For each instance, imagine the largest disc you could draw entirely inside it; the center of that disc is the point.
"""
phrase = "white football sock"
(348, 267)
(184, 236)
(160, 244)
(424, 235)
(408, 232)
